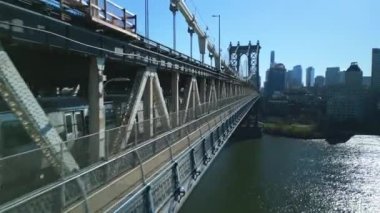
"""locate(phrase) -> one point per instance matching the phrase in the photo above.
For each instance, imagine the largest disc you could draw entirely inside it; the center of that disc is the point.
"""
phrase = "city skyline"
(341, 70)
(304, 72)
(327, 35)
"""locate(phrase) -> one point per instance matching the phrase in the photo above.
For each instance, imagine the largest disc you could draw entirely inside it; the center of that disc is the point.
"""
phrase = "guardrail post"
(195, 171)
(206, 158)
(149, 199)
(220, 135)
(175, 175)
(135, 24)
(124, 19)
(105, 9)
(211, 136)
(179, 191)
(137, 156)
(212, 141)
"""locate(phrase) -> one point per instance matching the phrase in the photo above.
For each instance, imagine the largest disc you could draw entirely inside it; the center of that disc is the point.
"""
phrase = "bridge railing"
(186, 166)
(105, 10)
(96, 172)
(93, 43)
(160, 126)
(150, 44)
(110, 12)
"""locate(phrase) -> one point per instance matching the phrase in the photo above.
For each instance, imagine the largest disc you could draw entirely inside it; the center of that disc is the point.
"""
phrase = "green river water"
(275, 174)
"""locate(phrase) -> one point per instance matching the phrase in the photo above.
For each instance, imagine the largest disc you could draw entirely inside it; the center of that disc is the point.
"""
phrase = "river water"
(275, 174)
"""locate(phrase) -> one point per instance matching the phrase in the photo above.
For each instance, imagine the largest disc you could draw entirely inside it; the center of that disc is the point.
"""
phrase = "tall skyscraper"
(375, 84)
(297, 76)
(367, 81)
(272, 58)
(341, 77)
(354, 76)
(332, 76)
(310, 76)
(288, 79)
(319, 81)
(275, 79)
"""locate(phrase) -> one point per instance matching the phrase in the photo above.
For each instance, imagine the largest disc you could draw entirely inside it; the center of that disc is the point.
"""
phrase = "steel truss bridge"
(131, 124)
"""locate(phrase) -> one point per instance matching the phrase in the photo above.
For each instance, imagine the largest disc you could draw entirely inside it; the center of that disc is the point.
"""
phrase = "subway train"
(69, 116)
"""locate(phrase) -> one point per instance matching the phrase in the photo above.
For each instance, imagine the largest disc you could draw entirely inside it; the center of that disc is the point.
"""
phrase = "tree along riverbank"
(294, 130)
(332, 134)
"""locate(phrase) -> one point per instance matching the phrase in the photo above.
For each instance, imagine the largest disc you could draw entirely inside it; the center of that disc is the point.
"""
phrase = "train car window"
(79, 120)
(87, 122)
(110, 116)
(69, 123)
(14, 135)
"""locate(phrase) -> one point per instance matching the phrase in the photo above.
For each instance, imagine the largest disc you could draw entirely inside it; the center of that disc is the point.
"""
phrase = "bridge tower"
(252, 52)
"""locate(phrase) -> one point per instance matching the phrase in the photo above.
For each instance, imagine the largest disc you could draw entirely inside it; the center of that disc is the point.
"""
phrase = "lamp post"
(147, 19)
(218, 16)
(173, 8)
(190, 30)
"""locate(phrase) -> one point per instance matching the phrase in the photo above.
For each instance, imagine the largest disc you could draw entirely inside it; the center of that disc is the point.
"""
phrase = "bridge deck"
(31, 28)
(110, 194)
(108, 181)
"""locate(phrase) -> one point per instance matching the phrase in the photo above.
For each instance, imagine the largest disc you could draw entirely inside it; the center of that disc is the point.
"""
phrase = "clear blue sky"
(318, 33)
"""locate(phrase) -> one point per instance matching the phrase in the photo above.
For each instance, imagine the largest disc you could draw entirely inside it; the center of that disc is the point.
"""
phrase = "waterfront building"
(310, 76)
(345, 107)
(348, 103)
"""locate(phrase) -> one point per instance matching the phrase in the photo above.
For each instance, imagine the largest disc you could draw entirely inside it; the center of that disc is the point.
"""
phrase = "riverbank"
(306, 131)
(293, 130)
(332, 132)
